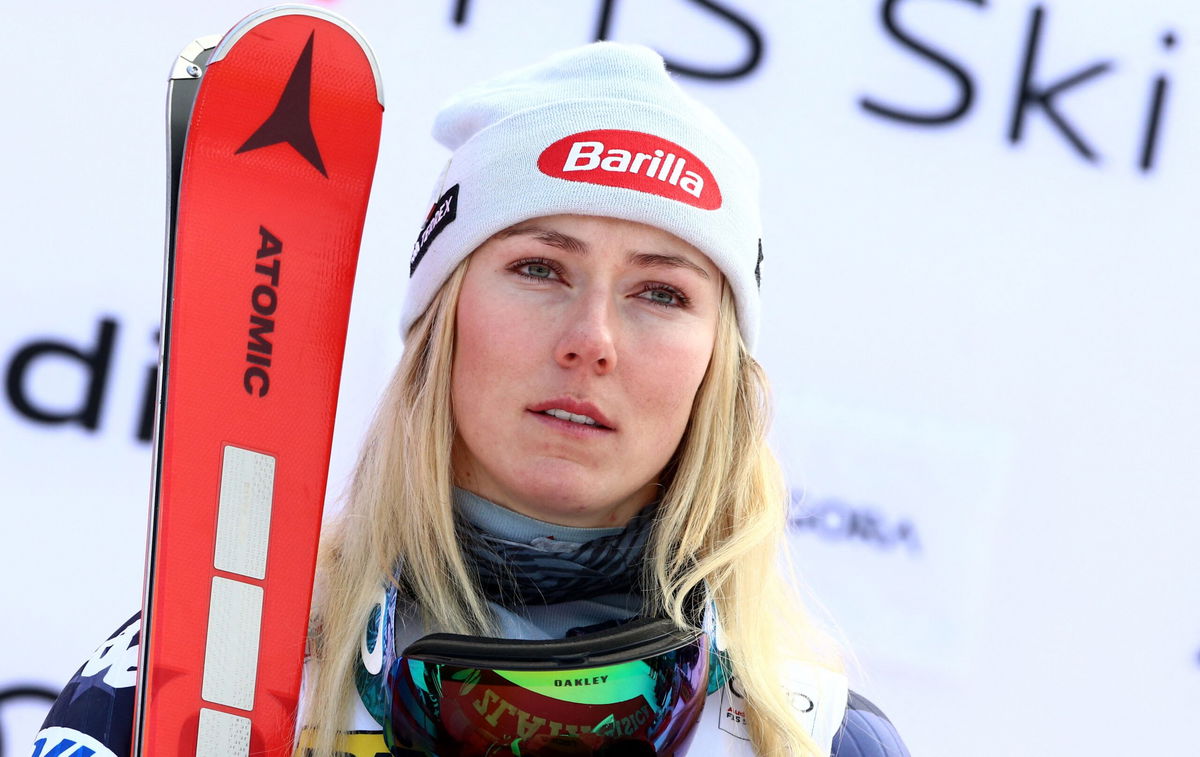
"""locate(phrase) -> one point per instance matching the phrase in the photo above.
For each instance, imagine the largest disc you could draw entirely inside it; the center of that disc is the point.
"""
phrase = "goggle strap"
(642, 638)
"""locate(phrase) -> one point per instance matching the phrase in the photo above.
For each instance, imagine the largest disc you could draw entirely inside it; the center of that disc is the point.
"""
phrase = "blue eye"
(664, 296)
(537, 269)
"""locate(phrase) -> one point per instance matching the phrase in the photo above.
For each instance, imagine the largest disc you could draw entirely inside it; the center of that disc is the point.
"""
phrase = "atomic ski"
(267, 202)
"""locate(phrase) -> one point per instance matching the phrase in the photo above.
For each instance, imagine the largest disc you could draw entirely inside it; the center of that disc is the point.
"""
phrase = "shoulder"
(866, 732)
(94, 713)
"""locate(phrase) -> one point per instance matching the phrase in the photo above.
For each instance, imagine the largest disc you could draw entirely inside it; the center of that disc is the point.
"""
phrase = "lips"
(567, 409)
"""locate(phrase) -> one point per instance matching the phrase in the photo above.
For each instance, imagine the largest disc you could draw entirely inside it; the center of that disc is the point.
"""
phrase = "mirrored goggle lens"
(641, 707)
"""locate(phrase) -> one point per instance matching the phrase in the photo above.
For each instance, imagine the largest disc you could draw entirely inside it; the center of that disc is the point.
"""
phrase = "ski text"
(263, 300)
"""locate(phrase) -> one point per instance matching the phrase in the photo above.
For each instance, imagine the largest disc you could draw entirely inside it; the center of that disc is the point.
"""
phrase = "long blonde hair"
(721, 523)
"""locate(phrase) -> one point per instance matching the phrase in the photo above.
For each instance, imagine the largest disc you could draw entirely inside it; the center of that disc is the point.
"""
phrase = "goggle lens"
(639, 707)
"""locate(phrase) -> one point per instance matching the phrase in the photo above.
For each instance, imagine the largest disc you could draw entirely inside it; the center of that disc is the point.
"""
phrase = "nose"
(588, 337)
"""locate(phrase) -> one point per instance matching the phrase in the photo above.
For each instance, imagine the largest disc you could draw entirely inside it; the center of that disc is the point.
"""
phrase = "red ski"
(280, 152)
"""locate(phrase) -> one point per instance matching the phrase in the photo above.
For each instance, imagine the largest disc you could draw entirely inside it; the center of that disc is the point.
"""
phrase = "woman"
(577, 402)
(573, 447)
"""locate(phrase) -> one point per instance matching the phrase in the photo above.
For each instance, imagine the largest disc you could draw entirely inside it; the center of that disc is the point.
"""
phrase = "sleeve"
(93, 716)
(866, 732)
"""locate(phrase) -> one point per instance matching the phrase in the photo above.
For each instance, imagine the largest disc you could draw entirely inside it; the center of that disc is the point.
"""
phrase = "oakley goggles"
(636, 689)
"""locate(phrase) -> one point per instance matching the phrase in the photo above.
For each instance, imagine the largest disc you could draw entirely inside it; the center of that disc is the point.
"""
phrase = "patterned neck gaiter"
(547, 571)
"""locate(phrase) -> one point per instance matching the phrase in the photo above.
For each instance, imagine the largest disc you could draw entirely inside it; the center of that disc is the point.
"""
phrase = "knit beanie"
(599, 130)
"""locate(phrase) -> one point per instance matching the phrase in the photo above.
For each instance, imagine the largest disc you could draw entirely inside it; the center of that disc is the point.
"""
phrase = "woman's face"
(581, 342)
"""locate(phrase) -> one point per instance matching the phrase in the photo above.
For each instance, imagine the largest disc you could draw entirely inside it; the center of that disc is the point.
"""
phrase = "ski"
(273, 135)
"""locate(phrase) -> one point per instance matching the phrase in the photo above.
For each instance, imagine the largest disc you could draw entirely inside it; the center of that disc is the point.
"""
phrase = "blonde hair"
(721, 523)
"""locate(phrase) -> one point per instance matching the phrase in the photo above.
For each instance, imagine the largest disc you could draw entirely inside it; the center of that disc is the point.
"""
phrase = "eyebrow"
(552, 238)
(572, 244)
(654, 259)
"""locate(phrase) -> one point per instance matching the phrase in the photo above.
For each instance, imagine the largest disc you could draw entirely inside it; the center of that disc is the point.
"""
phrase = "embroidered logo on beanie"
(441, 215)
(633, 160)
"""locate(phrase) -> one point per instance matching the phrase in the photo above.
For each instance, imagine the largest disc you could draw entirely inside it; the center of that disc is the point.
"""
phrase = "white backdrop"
(983, 342)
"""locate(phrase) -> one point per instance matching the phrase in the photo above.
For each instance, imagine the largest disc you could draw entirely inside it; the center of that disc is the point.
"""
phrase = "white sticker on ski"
(244, 512)
(222, 734)
(231, 649)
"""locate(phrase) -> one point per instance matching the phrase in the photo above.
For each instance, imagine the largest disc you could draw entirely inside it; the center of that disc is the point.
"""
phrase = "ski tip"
(189, 64)
(276, 11)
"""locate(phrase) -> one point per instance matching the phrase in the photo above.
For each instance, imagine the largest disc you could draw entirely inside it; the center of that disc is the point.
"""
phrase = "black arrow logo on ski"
(290, 122)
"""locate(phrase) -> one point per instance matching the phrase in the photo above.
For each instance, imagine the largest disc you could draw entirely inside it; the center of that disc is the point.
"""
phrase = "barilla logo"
(633, 160)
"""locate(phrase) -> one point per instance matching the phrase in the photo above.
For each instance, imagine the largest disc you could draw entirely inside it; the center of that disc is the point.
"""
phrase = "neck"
(510, 525)
(575, 507)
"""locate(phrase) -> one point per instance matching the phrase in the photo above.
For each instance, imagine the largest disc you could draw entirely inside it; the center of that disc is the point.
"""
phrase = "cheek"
(482, 327)
(474, 360)
(490, 338)
(666, 385)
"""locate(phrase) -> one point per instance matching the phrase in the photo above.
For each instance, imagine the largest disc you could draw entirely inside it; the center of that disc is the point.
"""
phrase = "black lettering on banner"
(836, 520)
(604, 22)
(754, 42)
(607, 11)
(1158, 97)
(19, 692)
(1030, 95)
(94, 362)
(960, 76)
(1033, 92)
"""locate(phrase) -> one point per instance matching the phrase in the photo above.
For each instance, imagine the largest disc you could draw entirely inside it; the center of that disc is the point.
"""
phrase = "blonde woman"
(562, 535)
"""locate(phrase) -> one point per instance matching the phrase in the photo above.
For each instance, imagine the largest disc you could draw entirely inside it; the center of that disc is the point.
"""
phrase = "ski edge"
(182, 87)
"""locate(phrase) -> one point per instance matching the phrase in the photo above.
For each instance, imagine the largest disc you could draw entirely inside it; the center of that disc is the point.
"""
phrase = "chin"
(580, 501)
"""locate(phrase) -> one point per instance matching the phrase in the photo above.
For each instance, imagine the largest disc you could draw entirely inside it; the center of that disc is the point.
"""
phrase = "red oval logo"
(633, 160)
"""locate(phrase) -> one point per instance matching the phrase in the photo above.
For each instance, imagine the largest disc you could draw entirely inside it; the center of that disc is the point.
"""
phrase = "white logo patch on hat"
(633, 160)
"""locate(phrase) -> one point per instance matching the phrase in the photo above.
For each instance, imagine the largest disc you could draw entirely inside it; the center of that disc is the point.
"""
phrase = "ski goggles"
(637, 689)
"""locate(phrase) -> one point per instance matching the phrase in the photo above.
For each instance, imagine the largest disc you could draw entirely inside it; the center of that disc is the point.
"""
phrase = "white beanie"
(599, 130)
